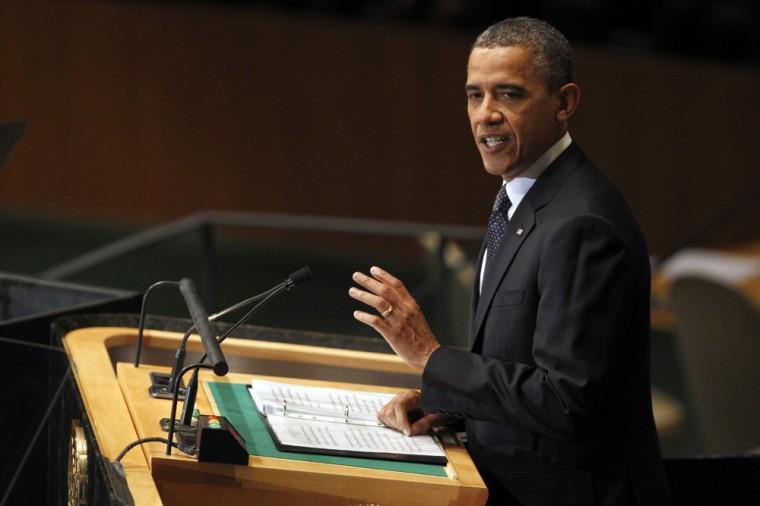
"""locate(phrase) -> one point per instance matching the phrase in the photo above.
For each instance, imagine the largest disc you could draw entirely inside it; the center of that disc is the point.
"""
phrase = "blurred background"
(333, 134)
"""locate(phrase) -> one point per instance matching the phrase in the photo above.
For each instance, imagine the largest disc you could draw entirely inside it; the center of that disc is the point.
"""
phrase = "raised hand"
(400, 321)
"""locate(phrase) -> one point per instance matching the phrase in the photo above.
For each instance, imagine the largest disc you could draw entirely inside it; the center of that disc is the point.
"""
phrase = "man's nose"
(489, 112)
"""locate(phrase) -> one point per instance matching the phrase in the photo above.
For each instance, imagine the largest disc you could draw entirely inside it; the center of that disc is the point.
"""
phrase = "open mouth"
(492, 141)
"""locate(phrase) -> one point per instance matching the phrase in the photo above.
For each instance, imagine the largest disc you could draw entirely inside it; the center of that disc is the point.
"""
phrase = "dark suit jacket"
(555, 386)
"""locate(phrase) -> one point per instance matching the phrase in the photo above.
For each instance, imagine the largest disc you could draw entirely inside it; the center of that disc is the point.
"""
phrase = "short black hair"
(552, 54)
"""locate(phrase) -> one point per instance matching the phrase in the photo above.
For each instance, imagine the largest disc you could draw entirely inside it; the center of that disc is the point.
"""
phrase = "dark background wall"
(143, 112)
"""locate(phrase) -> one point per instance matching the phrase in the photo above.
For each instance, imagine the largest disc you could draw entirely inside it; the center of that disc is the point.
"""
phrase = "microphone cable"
(183, 448)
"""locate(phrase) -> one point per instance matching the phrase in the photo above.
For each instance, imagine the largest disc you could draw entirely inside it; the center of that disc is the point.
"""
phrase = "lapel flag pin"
(519, 231)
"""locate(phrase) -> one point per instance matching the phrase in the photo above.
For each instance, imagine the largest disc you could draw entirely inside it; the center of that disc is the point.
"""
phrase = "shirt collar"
(519, 186)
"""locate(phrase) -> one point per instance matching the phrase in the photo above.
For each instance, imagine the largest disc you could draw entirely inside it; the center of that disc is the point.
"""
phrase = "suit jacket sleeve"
(586, 286)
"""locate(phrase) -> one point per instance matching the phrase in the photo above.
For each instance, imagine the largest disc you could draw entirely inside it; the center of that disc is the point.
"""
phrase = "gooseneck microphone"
(210, 344)
(296, 278)
(202, 323)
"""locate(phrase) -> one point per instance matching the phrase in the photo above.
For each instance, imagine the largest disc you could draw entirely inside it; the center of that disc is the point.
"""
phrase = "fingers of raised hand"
(369, 299)
(373, 320)
(380, 296)
(385, 276)
(373, 285)
(390, 280)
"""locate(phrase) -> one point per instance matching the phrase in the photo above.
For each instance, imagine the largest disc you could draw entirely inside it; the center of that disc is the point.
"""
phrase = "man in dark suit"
(554, 387)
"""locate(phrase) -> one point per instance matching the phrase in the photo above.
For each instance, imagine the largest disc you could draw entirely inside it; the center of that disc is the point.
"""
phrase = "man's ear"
(569, 97)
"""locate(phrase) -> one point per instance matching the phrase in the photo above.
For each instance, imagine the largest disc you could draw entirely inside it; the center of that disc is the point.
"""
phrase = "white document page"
(318, 403)
(347, 437)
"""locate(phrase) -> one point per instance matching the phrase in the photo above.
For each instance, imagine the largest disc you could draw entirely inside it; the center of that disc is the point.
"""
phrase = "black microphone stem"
(284, 287)
(245, 302)
(179, 356)
(141, 326)
(192, 386)
(175, 395)
(203, 326)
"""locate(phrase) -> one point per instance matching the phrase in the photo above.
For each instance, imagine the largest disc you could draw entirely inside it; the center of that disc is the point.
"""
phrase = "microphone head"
(300, 276)
(221, 368)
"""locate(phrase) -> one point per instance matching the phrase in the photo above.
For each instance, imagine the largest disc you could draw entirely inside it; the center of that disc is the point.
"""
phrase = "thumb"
(423, 425)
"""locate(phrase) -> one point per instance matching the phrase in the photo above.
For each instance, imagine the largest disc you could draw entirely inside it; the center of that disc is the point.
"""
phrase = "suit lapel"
(518, 229)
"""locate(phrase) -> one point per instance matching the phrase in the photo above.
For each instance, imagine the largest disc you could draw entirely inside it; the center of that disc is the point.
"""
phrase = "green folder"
(235, 403)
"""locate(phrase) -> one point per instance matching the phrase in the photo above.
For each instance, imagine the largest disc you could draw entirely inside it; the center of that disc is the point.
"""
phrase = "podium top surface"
(120, 410)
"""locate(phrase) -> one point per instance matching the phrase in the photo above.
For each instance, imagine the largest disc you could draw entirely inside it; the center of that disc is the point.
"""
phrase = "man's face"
(513, 115)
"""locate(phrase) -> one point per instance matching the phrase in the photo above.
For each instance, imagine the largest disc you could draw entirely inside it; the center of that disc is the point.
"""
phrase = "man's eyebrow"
(499, 87)
(509, 87)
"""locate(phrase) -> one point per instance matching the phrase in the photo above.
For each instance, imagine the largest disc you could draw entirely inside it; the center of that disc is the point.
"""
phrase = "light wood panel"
(106, 408)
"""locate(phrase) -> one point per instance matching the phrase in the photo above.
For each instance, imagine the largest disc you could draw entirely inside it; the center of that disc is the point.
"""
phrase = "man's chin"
(504, 170)
(495, 169)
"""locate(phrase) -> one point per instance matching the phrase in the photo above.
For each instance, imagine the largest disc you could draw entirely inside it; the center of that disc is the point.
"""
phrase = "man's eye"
(510, 95)
(474, 96)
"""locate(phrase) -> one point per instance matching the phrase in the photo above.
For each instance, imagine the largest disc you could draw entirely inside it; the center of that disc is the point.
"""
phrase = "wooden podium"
(116, 400)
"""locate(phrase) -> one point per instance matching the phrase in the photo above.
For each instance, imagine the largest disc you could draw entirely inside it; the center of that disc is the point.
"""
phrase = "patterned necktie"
(497, 223)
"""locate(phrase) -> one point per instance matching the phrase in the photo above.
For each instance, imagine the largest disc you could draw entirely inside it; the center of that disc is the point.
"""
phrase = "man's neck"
(542, 162)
